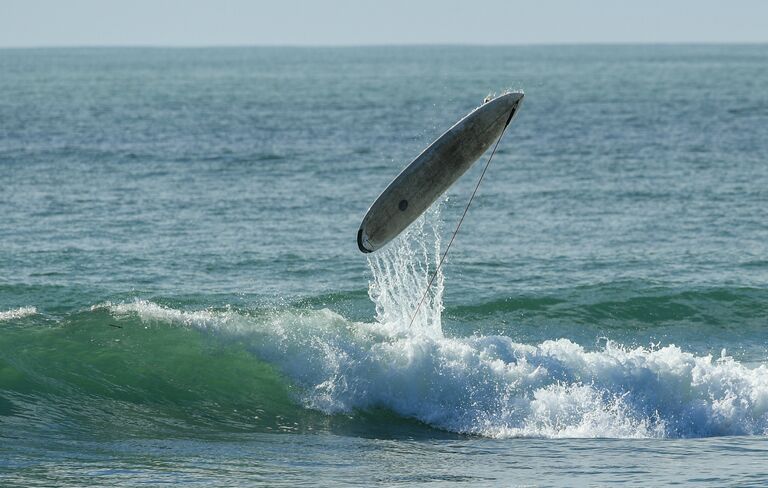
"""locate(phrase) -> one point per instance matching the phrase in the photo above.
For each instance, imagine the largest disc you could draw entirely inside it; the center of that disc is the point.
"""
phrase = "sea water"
(182, 299)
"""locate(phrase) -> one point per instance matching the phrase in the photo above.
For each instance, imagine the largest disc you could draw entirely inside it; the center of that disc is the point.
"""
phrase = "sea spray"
(401, 275)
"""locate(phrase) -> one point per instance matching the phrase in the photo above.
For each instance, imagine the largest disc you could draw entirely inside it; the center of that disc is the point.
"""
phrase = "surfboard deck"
(434, 171)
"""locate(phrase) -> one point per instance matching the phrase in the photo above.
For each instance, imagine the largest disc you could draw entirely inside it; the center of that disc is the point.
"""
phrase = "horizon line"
(381, 45)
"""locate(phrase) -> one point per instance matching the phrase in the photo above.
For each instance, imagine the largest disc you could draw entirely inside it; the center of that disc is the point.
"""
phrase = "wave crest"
(17, 313)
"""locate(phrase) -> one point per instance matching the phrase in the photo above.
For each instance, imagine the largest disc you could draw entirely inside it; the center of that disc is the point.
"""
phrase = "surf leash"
(461, 220)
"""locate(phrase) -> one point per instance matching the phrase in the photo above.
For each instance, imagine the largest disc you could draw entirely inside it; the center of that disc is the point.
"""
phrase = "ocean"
(182, 300)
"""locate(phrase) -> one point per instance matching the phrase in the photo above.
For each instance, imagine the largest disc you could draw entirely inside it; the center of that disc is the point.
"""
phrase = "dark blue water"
(182, 299)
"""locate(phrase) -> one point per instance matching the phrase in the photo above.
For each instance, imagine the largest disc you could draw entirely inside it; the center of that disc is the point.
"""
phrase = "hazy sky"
(347, 22)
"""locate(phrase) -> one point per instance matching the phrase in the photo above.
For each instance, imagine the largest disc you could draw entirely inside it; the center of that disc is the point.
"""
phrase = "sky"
(54, 23)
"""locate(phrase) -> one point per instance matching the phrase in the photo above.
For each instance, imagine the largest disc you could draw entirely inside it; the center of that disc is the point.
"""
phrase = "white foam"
(149, 311)
(17, 313)
(495, 387)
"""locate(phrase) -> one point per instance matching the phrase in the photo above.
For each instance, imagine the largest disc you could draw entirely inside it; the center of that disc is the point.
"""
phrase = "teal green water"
(182, 299)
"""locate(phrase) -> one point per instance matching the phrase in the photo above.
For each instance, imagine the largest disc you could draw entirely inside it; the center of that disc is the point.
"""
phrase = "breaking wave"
(160, 365)
(493, 386)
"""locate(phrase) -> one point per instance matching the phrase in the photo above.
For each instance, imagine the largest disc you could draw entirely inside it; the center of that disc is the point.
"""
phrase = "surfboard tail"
(361, 240)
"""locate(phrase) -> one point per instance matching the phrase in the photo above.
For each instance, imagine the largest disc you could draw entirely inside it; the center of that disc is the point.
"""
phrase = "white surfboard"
(434, 171)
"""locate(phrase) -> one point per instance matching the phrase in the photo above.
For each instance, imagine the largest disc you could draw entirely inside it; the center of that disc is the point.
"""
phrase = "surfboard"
(435, 170)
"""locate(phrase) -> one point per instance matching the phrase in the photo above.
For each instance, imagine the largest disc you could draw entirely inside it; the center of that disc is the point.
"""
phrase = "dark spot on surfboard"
(402, 205)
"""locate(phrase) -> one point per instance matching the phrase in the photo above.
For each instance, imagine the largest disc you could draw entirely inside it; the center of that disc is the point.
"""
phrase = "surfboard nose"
(502, 108)
(512, 97)
(511, 101)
